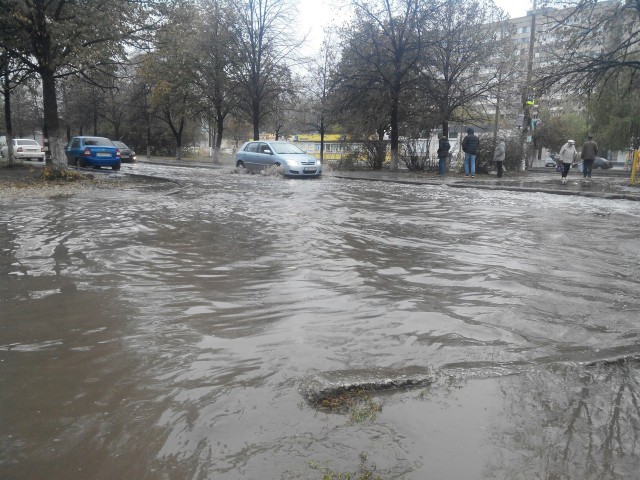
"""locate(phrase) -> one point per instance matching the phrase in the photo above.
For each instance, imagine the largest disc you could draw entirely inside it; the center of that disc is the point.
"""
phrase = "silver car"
(260, 154)
(24, 149)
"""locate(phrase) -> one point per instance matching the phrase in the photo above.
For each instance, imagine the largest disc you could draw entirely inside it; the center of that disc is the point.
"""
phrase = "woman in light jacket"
(568, 155)
(499, 154)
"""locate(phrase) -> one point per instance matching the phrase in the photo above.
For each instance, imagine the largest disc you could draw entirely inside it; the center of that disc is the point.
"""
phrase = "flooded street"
(164, 331)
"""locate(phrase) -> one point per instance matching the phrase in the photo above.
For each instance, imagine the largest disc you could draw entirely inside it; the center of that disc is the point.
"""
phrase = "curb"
(509, 188)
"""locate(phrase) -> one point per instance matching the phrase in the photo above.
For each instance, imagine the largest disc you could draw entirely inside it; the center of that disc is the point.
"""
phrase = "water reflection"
(568, 421)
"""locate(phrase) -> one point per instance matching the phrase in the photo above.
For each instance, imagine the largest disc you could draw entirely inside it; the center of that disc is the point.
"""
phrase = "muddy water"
(163, 333)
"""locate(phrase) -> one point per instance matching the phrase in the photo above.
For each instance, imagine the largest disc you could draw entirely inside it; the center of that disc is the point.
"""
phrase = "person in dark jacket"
(470, 145)
(588, 155)
(443, 153)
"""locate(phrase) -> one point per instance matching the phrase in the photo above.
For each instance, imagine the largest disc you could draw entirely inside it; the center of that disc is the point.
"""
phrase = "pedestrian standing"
(588, 155)
(568, 155)
(443, 153)
(470, 145)
(499, 154)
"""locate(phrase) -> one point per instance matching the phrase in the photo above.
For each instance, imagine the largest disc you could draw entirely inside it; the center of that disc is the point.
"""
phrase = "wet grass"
(364, 472)
(359, 404)
(51, 174)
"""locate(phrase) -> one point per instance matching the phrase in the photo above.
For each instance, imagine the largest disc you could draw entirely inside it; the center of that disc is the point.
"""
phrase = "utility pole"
(528, 96)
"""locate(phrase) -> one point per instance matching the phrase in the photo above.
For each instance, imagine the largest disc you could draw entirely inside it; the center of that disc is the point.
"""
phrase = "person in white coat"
(568, 155)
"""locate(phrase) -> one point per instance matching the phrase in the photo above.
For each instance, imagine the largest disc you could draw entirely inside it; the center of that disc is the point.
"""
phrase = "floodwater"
(163, 332)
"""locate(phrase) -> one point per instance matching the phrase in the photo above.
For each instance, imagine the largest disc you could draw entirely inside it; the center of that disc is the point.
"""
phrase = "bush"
(513, 157)
(415, 155)
(375, 152)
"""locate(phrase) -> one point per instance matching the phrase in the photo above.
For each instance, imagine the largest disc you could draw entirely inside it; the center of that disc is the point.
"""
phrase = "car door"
(250, 156)
(72, 151)
(264, 155)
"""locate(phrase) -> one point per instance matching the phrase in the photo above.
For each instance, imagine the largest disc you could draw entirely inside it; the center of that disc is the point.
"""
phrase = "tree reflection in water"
(570, 422)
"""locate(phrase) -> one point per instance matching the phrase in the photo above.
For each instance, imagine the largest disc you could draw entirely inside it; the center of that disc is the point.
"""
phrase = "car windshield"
(26, 142)
(98, 141)
(285, 148)
(120, 145)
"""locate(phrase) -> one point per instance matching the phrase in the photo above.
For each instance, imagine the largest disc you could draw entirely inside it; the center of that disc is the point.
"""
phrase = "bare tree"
(595, 42)
(265, 47)
(170, 69)
(213, 60)
(468, 59)
(320, 85)
(385, 46)
(57, 39)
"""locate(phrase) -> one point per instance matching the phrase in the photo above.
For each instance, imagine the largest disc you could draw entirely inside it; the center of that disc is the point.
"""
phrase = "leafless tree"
(320, 85)
(57, 39)
(467, 61)
(266, 48)
(595, 43)
(387, 42)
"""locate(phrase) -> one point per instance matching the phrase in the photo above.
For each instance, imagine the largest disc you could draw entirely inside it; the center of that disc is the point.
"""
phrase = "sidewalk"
(613, 185)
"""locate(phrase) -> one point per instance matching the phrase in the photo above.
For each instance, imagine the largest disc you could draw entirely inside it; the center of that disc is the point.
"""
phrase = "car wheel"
(79, 162)
(240, 164)
(116, 167)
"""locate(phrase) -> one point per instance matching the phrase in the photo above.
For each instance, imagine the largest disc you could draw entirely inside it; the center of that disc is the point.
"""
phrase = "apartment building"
(555, 31)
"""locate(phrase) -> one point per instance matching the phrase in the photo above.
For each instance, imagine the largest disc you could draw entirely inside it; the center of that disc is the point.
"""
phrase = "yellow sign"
(315, 137)
(635, 167)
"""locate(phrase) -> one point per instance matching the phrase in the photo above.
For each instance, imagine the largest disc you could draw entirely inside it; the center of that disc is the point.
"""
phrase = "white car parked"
(24, 149)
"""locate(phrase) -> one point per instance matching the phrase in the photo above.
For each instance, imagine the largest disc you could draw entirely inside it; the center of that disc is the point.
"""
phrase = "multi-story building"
(539, 55)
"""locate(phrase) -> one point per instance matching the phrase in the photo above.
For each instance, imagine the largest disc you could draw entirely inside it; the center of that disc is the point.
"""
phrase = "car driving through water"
(258, 155)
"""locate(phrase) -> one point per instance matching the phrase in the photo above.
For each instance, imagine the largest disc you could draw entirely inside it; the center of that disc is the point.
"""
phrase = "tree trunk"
(177, 132)
(322, 130)
(95, 119)
(219, 132)
(56, 159)
(394, 132)
(381, 150)
(445, 128)
(255, 114)
(7, 115)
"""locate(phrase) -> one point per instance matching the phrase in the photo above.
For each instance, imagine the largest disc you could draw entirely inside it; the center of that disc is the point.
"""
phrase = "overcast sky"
(317, 14)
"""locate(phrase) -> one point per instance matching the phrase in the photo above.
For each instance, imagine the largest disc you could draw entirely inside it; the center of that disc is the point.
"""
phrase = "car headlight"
(291, 162)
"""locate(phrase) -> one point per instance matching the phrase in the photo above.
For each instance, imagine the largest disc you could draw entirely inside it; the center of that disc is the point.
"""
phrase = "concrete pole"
(526, 126)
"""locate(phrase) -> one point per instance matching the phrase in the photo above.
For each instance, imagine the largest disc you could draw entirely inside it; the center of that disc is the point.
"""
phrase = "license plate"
(104, 154)
(309, 169)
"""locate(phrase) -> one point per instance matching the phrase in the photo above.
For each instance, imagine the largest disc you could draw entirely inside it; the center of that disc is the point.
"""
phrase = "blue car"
(93, 152)
(260, 154)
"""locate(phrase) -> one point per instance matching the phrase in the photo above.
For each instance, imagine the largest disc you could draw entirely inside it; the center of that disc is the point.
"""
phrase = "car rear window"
(99, 142)
(27, 142)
